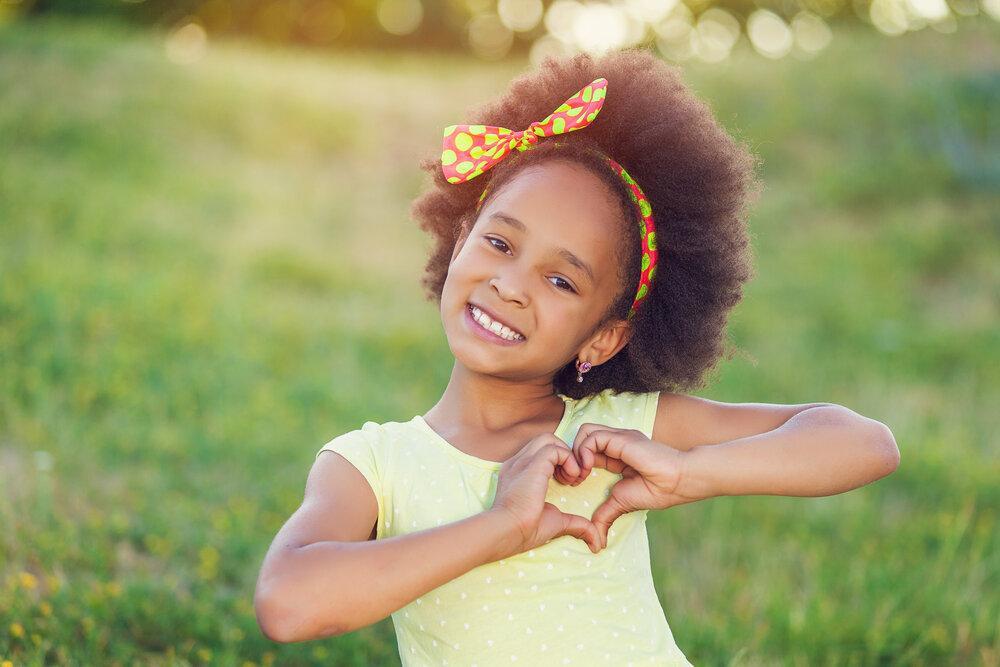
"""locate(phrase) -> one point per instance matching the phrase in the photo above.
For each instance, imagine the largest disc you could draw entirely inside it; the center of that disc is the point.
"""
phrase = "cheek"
(559, 317)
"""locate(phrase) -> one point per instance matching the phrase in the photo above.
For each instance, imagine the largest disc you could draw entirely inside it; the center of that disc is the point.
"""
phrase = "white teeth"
(497, 328)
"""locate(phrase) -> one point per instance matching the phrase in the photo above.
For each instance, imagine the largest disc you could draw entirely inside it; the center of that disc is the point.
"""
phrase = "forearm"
(332, 588)
(820, 451)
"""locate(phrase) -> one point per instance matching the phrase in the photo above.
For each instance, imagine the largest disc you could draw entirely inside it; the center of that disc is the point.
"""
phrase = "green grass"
(208, 271)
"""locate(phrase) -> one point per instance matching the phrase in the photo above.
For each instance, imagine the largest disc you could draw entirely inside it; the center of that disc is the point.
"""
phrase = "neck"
(482, 403)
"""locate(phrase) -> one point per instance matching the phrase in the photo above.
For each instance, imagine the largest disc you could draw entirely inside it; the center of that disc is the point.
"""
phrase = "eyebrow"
(563, 252)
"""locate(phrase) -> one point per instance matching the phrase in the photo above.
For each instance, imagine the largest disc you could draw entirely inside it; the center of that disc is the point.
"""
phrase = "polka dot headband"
(470, 150)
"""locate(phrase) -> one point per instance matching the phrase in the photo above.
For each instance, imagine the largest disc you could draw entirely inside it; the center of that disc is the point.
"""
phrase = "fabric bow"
(470, 150)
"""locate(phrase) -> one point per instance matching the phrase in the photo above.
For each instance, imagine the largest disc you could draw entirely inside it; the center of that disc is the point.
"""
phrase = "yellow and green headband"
(470, 150)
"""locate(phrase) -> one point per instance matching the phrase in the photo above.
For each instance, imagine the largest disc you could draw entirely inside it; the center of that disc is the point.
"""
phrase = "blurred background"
(207, 270)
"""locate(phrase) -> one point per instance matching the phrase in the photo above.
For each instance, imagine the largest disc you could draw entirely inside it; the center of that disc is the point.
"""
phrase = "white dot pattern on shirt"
(534, 588)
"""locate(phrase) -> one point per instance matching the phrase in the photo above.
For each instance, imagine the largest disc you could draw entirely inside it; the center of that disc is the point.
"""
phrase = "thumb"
(606, 514)
(576, 526)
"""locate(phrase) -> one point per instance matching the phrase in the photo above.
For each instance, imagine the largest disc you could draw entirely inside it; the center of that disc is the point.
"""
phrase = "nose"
(508, 291)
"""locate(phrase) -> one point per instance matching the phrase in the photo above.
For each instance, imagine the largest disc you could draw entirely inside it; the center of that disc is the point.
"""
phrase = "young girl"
(591, 241)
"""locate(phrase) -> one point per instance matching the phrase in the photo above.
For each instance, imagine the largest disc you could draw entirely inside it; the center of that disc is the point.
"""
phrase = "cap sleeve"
(649, 400)
(361, 447)
(635, 410)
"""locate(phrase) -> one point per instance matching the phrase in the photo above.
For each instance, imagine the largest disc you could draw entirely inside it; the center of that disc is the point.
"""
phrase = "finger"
(542, 441)
(580, 528)
(605, 515)
(615, 449)
(563, 477)
(586, 460)
(560, 455)
(586, 429)
(594, 458)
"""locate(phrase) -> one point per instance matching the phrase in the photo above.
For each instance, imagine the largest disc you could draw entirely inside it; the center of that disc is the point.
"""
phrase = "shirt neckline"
(475, 460)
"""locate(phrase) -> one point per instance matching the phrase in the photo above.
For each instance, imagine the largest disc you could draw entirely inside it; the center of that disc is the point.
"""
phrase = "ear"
(607, 342)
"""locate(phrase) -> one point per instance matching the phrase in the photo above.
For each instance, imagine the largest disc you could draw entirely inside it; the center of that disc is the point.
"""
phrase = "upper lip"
(496, 318)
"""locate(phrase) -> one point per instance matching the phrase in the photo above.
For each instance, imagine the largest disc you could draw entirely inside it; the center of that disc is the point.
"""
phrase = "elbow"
(269, 620)
(284, 624)
(885, 452)
(884, 443)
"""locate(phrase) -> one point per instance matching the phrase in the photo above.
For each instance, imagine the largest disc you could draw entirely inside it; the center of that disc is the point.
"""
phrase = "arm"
(322, 575)
(684, 421)
(818, 451)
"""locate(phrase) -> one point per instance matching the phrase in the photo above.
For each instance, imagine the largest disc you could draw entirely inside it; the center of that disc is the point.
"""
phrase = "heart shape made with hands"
(651, 472)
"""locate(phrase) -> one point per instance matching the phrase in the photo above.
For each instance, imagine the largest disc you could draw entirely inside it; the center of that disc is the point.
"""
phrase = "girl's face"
(540, 259)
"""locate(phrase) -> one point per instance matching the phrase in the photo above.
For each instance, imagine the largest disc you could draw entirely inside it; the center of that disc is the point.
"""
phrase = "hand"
(651, 471)
(521, 488)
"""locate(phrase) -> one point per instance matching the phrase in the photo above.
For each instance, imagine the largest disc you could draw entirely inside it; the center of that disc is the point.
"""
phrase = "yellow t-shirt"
(553, 605)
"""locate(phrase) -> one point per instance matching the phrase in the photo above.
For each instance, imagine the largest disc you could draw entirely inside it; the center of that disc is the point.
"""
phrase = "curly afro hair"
(697, 178)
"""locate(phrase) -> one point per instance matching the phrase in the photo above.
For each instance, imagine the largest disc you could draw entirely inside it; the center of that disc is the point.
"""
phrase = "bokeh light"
(715, 34)
(187, 43)
(322, 22)
(520, 15)
(400, 17)
(547, 45)
(599, 27)
(811, 33)
(675, 34)
(649, 11)
(889, 16)
(488, 37)
(992, 8)
(769, 34)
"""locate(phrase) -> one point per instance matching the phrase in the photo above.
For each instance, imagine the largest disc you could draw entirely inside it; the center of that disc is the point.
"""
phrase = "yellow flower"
(45, 608)
(204, 654)
(113, 588)
(208, 562)
(268, 659)
(28, 580)
(16, 629)
(6, 663)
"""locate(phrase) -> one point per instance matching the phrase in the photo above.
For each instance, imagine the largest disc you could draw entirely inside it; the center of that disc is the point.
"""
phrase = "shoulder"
(623, 409)
(377, 439)
(367, 436)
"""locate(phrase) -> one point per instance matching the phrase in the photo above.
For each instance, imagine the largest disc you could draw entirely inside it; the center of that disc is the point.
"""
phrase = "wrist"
(696, 480)
(504, 530)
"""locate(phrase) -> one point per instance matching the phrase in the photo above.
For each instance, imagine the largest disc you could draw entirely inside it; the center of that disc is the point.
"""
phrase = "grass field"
(208, 271)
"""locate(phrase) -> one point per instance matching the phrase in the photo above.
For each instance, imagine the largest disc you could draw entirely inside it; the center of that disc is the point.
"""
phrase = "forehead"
(563, 205)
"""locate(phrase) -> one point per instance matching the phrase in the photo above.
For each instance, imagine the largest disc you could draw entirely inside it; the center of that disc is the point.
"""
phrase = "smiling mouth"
(492, 326)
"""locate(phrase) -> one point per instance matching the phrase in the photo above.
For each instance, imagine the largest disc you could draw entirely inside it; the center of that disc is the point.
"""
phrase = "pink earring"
(582, 368)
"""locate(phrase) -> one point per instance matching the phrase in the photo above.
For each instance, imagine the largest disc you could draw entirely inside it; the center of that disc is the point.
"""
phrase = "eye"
(567, 282)
(491, 239)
